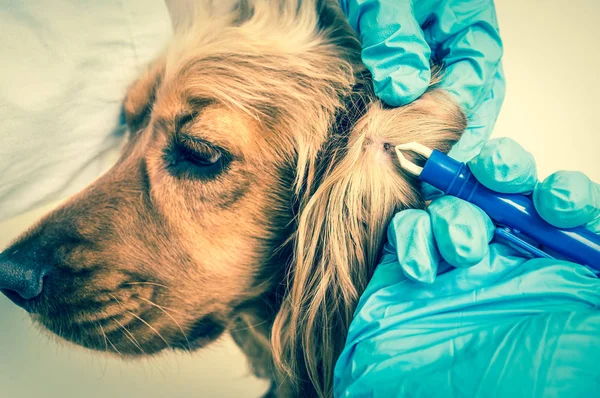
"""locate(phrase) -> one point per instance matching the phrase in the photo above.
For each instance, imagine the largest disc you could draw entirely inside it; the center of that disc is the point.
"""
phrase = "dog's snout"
(21, 280)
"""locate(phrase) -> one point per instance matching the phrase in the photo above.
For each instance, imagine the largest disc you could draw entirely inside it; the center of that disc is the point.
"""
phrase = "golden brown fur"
(278, 244)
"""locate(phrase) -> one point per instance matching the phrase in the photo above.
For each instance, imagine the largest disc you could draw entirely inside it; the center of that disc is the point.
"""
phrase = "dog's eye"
(191, 158)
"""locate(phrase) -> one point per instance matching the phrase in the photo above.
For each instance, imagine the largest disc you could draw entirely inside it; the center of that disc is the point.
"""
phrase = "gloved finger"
(568, 199)
(477, 133)
(505, 166)
(469, 44)
(481, 124)
(462, 231)
(410, 233)
(394, 48)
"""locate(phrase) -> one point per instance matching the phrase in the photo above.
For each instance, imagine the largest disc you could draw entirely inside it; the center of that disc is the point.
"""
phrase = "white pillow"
(65, 66)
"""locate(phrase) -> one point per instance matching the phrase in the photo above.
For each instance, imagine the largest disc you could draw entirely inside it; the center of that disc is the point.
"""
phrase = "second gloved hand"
(505, 326)
(454, 232)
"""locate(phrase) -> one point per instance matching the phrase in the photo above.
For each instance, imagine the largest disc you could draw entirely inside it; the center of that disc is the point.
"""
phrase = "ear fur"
(342, 222)
(141, 95)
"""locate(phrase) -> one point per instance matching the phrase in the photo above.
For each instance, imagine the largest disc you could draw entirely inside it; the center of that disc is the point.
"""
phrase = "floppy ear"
(141, 95)
(341, 229)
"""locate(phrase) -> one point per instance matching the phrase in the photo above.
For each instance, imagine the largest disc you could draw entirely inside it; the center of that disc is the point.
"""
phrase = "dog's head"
(259, 166)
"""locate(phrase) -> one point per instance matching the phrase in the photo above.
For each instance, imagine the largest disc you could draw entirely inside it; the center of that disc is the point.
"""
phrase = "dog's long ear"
(341, 228)
(141, 95)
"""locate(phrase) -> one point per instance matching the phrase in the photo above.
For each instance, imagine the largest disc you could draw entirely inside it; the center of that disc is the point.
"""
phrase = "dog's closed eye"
(192, 158)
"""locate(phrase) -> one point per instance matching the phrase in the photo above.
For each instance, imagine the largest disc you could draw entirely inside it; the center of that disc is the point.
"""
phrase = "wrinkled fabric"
(65, 68)
(507, 327)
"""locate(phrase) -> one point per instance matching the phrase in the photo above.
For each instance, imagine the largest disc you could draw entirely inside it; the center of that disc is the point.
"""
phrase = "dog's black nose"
(20, 280)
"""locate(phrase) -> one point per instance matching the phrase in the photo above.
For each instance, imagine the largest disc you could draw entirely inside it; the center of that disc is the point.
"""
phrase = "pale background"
(551, 108)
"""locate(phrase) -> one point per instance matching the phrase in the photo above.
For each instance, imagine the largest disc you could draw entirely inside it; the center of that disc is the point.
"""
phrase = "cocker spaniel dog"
(252, 197)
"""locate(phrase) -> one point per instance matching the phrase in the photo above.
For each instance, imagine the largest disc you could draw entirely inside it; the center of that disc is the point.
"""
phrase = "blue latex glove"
(400, 37)
(504, 325)
(458, 232)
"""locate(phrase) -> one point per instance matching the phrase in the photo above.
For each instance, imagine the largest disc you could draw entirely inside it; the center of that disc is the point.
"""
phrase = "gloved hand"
(457, 233)
(401, 37)
(501, 324)
(508, 327)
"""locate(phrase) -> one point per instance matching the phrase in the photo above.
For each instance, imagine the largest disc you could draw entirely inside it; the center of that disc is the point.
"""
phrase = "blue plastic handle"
(516, 239)
(515, 211)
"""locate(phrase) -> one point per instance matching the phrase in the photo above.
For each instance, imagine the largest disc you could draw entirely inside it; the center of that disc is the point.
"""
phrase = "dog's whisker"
(172, 318)
(148, 283)
(110, 342)
(130, 337)
(135, 341)
(151, 328)
(252, 326)
(163, 307)
(105, 348)
(128, 333)
(103, 335)
(175, 292)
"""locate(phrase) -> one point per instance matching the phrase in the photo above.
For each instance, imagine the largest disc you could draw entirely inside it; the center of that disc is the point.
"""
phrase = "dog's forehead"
(235, 107)
(177, 111)
(221, 126)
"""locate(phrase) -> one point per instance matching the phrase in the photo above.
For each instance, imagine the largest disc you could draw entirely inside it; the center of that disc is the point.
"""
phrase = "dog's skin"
(219, 214)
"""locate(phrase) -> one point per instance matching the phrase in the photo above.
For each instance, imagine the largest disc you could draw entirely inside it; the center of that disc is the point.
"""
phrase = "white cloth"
(65, 66)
